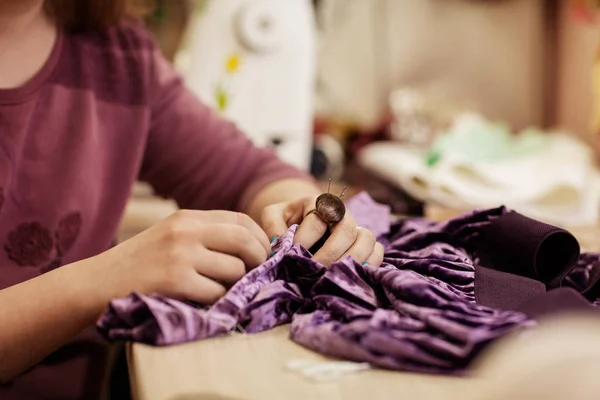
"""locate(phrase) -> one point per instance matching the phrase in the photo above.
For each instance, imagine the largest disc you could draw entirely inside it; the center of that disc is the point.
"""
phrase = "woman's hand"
(193, 255)
(347, 239)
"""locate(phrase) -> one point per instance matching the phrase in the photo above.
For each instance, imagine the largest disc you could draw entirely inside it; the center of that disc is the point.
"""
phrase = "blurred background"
(432, 106)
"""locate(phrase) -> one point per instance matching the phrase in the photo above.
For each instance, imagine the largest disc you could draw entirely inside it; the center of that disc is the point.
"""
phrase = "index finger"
(312, 228)
(342, 238)
(235, 218)
(273, 220)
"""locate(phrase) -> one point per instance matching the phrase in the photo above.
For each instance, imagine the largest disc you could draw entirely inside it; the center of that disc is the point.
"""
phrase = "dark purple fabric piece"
(520, 258)
(522, 246)
(417, 312)
(506, 291)
(566, 299)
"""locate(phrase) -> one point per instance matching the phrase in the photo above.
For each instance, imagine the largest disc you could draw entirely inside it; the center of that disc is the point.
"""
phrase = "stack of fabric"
(479, 164)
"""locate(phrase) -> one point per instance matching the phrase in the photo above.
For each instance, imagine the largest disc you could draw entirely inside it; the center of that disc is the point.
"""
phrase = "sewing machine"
(253, 61)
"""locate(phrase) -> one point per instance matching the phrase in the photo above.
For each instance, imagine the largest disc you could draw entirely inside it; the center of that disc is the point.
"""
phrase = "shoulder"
(116, 64)
(129, 38)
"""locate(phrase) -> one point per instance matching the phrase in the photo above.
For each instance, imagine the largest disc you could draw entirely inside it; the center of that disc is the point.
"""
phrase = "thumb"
(273, 220)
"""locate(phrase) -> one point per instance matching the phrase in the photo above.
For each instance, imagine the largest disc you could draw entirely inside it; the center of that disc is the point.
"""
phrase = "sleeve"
(196, 157)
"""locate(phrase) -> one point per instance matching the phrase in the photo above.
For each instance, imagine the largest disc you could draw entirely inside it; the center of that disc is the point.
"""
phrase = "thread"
(325, 371)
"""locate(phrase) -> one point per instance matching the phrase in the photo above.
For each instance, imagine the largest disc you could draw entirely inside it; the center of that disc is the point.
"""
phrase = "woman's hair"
(87, 15)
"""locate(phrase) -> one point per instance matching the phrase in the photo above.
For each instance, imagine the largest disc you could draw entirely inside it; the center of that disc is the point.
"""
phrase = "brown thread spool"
(331, 210)
(329, 207)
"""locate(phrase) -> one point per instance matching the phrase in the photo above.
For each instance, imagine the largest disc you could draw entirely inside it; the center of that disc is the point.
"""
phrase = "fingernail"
(365, 263)
(274, 238)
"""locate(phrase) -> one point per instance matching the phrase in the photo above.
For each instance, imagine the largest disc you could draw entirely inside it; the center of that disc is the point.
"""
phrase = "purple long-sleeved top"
(105, 110)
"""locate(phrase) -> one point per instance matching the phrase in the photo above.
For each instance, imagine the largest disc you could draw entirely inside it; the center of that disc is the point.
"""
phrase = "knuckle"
(242, 219)
(243, 233)
(349, 229)
(175, 229)
(182, 215)
(367, 236)
(239, 236)
(328, 256)
(318, 226)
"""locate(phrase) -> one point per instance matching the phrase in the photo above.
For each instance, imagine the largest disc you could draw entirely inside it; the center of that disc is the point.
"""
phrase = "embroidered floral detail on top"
(31, 244)
(67, 232)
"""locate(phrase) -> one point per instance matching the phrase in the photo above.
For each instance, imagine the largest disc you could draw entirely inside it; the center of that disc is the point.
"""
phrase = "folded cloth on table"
(552, 177)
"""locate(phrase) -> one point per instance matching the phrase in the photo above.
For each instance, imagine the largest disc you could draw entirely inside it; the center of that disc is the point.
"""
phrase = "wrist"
(94, 284)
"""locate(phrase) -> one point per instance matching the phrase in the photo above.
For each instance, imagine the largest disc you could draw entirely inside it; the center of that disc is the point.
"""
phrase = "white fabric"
(559, 185)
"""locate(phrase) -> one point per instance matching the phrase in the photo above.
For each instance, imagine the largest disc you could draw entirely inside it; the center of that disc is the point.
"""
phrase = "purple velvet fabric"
(420, 311)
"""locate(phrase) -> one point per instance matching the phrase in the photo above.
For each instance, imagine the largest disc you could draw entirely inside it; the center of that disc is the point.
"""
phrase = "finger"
(363, 246)
(235, 240)
(273, 220)
(220, 267)
(229, 217)
(303, 208)
(342, 238)
(376, 257)
(277, 218)
(310, 230)
(203, 290)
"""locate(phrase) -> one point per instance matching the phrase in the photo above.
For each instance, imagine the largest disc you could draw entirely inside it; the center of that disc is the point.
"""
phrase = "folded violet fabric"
(444, 291)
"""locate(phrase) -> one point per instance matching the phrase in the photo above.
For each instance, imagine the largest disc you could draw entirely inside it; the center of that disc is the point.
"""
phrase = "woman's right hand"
(192, 255)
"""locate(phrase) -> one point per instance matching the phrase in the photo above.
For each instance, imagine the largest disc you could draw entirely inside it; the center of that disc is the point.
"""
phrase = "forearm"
(40, 315)
(281, 191)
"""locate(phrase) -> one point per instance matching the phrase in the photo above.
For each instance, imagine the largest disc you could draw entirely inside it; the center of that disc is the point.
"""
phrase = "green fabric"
(486, 141)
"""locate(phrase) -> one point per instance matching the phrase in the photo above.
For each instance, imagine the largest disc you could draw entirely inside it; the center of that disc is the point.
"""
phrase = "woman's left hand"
(346, 239)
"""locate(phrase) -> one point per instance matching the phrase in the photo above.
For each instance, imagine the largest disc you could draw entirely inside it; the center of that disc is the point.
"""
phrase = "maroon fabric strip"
(557, 301)
(523, 265)
(502, 290)
(522, 246)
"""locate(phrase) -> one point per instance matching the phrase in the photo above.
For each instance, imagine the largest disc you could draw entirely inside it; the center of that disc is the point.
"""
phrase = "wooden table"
(253, 367)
